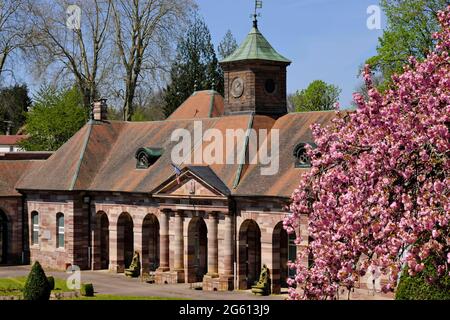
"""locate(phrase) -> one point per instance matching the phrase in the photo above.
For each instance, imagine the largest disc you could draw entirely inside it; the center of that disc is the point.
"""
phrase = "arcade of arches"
(184, 246)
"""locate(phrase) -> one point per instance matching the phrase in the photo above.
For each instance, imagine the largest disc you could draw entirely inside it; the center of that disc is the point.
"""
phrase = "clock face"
(237, 87)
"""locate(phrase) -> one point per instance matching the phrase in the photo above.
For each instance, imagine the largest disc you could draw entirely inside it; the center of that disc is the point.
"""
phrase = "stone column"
(114, 263)
(179, 246)
(226, 279)
(164, 241)
(137, 246)
(228, 249)
(213, 245)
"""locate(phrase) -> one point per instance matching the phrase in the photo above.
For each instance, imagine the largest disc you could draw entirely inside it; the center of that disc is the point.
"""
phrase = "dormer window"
(302, 159)
(147, 156)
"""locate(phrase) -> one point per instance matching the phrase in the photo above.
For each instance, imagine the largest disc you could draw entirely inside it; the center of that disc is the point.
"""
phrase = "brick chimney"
(100, 110)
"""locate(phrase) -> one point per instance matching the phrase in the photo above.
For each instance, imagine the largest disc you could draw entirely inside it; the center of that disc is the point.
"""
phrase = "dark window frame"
(35, 228)
(302, 160)
(60, 235)
(146, 157)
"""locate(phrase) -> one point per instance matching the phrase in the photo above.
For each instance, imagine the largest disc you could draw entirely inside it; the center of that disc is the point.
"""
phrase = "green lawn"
(14, 286)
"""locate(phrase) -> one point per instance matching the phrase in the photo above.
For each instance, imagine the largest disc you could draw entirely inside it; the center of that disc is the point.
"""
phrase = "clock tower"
(255, 78)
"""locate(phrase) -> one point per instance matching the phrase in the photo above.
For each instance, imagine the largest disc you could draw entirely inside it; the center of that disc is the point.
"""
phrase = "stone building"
(112, 189)
(10, 143)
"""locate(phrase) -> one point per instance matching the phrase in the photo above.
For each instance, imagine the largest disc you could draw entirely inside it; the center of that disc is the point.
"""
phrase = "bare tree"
(78, 54)
(12, 30)
(145, 34)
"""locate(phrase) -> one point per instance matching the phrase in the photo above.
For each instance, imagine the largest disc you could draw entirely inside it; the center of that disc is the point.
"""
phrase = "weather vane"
(258, 5)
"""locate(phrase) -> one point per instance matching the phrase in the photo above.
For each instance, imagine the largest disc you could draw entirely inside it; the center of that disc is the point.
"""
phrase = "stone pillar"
(228, 249)
(96, 244)
(213, 245)
(164, 241)
(224, 281)
(137, 246)
(179, 246)
(114, 263)
(227, 278)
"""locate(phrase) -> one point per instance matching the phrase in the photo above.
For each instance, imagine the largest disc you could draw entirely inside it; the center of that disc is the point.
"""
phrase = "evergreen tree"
(14, 103)
(195, 68)
(36, 287)
(227, 46)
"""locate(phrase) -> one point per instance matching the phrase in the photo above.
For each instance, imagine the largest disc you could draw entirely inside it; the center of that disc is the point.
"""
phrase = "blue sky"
(325, 39)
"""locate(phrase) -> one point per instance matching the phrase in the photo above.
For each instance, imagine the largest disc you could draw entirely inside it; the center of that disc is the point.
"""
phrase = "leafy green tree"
(36, 287)
(429, 284)
(410, 24)
(227, 46)
(54, 118)
(195, 66)
(317, 97)
(14, 103)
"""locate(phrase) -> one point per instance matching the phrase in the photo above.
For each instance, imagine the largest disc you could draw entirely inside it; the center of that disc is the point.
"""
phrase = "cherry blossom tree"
(377, 195)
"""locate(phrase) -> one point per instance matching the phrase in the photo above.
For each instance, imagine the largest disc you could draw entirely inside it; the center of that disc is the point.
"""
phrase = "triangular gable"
(193, 182)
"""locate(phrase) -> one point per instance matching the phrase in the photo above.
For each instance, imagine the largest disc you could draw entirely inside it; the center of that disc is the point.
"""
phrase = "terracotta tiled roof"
(101, 156)
(10, 172)
(14, 165)
(201, 104)
(11, 139)
(294, 128)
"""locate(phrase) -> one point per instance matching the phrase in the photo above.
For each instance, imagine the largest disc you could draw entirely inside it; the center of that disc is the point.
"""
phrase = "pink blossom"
(378, 182)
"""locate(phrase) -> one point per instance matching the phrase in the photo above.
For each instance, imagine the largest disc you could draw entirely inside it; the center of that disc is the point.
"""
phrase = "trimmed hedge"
(87, 290)
(426, 285)
(36, 287)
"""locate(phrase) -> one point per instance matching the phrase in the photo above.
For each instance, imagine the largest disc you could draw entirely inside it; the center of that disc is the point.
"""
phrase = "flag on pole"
(258, 4)
(177, 172)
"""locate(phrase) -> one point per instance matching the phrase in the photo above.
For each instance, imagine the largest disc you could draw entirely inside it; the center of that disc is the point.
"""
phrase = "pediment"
(193, 182)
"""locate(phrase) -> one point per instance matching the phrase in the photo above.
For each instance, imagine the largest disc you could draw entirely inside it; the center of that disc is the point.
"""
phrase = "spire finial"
(258, 5)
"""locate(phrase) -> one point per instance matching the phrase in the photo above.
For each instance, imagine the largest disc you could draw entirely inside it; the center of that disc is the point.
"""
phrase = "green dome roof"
(255, 47)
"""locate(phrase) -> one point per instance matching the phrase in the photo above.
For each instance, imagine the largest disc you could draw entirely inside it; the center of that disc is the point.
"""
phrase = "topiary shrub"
(426, 285)
(36, 287)
(87, 290)
(51, 282)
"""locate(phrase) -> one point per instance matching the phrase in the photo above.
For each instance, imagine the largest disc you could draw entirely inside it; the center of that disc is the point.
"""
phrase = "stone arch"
(101, 241)
(197, 261)
(5, 235)
(125, 241)
(249, 253)
(150, 243)
(283, 250)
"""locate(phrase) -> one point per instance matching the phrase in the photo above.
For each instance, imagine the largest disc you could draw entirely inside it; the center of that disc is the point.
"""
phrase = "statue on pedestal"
(134, 270)
(262, 287)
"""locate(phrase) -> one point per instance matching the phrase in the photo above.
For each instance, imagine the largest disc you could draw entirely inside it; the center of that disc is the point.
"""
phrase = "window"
(270, 86)
(35, 223)
(302, 159)
(147, 156)
(60, 230)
